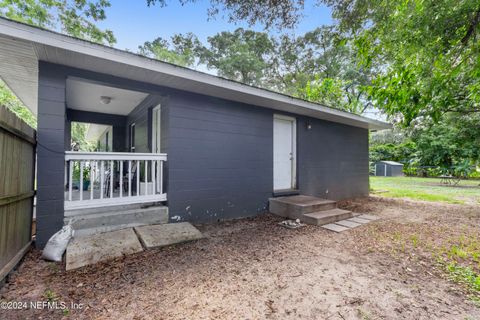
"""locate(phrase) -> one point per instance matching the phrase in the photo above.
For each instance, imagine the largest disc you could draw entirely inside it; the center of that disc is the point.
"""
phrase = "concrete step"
(327, 216)
(109, 208)
(101, 222)
(296, 206)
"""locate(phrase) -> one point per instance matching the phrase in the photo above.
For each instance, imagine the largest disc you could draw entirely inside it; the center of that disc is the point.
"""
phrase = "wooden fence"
(17, 178)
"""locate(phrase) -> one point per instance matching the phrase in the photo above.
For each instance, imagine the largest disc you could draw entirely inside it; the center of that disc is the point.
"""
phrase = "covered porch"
(112, 167)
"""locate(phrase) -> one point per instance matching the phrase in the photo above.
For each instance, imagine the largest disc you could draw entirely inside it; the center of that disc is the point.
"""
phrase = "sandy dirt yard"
(256, 269)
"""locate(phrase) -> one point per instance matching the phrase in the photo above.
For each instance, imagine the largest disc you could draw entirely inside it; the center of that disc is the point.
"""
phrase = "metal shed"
(388, 169)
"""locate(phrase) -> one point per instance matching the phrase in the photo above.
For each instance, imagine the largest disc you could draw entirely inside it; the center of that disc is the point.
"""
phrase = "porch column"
(53, 139)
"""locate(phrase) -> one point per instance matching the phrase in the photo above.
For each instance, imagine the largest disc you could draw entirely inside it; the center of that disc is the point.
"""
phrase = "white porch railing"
(97, 179)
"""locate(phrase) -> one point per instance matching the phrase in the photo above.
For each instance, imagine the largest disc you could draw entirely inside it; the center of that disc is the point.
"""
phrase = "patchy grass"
(427, 189)
(454, 251)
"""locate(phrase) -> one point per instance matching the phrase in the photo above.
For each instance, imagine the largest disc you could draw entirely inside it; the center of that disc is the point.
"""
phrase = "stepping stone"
(368, 217)
(348, 224)
(359, 220)
(161, 235)
(334, 227)
(83, 251)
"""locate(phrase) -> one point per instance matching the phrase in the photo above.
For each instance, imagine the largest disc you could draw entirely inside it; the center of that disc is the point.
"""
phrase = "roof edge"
(43, 36)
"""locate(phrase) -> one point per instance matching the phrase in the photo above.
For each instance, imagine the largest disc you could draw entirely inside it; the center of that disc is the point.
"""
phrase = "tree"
(181, 50)
(243, 55)
(9, 100)
(77, 18)
(320, 67)
(281, 13)
(428, 50)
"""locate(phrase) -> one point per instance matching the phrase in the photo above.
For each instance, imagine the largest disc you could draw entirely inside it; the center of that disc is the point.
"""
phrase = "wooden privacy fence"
(17, 178)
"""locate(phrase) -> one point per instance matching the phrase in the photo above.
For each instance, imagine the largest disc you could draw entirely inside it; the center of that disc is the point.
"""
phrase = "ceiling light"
(105, 99)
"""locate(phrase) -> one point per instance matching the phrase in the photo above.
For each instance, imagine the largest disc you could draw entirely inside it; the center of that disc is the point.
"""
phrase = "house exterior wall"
(53, 139)
(220, 159)
(332, 159)
(220, 153)
(220, 156)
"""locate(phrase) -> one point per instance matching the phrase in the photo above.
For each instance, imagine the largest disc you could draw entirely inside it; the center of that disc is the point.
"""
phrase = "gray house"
(203, 146)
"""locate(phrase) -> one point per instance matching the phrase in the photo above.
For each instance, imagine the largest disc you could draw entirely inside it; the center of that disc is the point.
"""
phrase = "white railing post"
(138, 176)
(111, 179)
(70, 180)
(146, 177)
(102, 177)
(129, 178)
(160, 179)
(92, 180)
(81, 181)
(153, 177)
(120, 179)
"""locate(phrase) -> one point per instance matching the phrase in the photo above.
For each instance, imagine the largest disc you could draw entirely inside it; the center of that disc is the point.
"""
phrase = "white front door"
(284, 152)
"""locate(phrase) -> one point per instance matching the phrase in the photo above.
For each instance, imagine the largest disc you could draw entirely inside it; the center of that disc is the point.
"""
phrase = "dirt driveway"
(256, 269)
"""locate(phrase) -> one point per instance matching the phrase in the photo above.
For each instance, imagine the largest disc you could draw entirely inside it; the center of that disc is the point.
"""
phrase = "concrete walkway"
(87, 250)
(348, 224)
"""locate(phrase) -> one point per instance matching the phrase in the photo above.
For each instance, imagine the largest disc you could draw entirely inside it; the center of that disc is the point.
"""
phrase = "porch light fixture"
(105, 99)
(309, 126)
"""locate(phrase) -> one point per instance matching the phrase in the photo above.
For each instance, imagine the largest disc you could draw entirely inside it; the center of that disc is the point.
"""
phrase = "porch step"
(117, 208)
(308, 209)
(320, 218)
(106, 221)
(294, 207)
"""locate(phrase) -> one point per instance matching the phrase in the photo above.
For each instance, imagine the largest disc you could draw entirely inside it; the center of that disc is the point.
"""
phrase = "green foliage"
(9, 100)
(403, 152)
(464, 275)
(180, 50)
(283, 13)
(429, 53)
(79, 141)
(242, 55)
(451, 141)
(77, 18)
(314, 66)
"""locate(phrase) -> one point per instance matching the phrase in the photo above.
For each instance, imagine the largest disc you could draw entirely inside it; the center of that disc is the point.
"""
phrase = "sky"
(133, 22)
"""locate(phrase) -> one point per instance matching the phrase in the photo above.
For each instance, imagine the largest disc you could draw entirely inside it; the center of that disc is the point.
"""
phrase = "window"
(132, 137)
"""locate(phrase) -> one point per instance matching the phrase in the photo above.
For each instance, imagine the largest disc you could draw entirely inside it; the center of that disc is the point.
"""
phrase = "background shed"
(388, 169)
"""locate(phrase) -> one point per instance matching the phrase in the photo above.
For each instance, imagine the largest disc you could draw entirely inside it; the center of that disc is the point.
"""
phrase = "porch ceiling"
(22, 46)
(86, 96)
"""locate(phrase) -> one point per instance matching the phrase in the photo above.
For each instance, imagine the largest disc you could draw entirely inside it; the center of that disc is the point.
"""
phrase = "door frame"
(293, 120)
(156, 139)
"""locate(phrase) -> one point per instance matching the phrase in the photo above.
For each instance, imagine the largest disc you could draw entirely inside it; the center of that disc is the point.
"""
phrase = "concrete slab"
(359, 220)
(348, 224)
(334, 227)
(166, 234)
(83, 251)
(368, 217)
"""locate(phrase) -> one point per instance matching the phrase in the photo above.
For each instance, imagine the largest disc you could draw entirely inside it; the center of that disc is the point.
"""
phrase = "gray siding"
(220, 158)
(53, 140)
(220, 153)
(332, 159)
